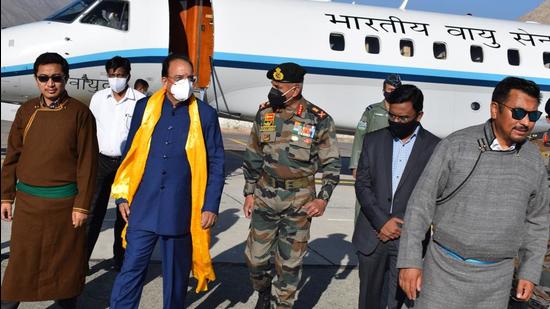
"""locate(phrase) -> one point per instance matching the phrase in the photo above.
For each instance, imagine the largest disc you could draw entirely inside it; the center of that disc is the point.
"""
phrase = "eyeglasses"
(402, 119)
(55, 78)
(177, 78)
(519, 113)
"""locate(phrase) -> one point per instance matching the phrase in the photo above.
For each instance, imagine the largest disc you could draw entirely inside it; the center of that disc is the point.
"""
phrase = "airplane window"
(70, 12)
(546, 59)
(476, 53)
(513, 57)
(440, 50)
(372, 45)
(337, 41)
(407, 48)
(112, 14)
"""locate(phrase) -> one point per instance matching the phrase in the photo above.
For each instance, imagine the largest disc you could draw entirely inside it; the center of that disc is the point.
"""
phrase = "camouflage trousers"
(278, 227)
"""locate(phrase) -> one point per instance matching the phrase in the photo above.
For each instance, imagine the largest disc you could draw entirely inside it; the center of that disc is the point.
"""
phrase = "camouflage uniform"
(374, 117)
(285, 150)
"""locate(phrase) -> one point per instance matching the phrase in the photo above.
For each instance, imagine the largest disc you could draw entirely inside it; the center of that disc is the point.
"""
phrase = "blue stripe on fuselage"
(148, 55)
(256, 62)
(363, 70)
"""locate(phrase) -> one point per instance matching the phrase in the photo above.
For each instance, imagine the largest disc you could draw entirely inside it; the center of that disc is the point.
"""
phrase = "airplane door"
(192, 34)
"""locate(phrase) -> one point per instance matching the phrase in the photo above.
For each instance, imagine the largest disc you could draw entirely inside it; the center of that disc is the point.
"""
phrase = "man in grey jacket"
(485, 193)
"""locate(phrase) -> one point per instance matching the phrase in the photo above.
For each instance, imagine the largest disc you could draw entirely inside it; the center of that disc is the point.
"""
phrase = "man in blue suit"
(155, 187)
(390, 164)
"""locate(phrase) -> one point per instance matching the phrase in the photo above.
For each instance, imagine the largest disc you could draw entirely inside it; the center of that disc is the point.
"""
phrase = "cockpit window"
(70, 12)
(112, 14)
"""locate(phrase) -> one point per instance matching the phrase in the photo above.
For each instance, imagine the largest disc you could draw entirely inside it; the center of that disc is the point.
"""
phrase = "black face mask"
(402, 130)
(386, 94)
(276, 98)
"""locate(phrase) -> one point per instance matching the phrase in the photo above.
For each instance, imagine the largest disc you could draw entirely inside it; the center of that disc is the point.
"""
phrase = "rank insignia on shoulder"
(319, 112)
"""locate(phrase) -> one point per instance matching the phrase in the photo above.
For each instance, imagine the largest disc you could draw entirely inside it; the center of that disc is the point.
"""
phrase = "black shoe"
(264, 299)
(6, 304)
(68, 303)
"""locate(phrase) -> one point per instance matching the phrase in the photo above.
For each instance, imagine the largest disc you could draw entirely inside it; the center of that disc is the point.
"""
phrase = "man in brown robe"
(49, 171)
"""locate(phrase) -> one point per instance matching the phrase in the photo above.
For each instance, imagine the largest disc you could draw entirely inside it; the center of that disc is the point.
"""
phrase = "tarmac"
(329, 279)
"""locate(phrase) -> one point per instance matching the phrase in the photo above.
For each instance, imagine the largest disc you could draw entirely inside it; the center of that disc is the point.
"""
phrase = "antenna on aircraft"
(403, 5)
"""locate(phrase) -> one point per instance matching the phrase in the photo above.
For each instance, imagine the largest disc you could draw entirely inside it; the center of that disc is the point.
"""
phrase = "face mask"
(402, 130)
(277, 98)
(386, 95)
(182, 89)
(118, 84)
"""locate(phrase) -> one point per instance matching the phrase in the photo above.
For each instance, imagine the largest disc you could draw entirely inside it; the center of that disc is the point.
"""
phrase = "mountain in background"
(541, 14)
(16, 12)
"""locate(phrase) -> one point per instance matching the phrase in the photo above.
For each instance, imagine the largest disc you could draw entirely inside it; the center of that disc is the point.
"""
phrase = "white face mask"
(118, 84)
(182, 89)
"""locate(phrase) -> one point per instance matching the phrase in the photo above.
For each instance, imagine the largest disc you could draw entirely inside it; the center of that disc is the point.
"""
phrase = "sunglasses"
(520, 113)
(54, 78)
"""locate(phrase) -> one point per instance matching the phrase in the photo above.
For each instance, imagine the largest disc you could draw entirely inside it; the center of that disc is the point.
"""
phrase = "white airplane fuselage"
(250, 37)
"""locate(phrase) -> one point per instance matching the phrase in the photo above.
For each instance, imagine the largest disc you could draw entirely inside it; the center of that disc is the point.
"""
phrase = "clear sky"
(500, 9)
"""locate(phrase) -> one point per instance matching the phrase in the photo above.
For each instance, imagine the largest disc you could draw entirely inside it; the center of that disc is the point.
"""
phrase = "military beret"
(287, 72)
(393, 79)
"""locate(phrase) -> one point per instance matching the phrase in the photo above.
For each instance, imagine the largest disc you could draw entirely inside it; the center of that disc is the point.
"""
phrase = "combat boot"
(264, 299)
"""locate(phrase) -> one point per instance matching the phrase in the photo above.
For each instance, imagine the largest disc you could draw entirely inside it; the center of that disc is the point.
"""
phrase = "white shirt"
(113, 119)
(495, 145)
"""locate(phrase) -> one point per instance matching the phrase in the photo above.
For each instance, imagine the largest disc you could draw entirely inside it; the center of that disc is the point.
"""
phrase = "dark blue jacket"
(162, 203)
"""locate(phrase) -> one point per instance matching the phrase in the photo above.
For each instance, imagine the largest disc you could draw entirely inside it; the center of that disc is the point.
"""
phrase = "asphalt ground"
(329, 280)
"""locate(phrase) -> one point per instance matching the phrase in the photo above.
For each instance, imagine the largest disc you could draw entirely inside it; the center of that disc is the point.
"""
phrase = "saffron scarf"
(130, 172)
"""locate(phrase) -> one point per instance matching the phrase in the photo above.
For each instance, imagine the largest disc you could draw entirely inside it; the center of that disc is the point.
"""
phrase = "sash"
(63, 191)
(130, 173)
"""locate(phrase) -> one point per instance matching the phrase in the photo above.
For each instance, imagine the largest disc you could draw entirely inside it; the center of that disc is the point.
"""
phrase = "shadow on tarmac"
(232, 286)
(316, 279)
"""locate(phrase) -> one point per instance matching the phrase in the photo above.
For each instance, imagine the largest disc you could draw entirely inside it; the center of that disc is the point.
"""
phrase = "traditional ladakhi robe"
(500, 212)
(49, 171)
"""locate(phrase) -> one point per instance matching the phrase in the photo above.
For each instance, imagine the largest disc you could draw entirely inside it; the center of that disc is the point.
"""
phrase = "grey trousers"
(449, 283)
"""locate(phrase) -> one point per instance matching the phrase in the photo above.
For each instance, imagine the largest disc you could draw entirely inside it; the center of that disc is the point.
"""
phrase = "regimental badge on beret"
(278, 75)
(287, 72)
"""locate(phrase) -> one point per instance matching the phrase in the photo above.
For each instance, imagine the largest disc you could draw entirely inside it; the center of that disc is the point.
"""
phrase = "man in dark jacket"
(383, 188)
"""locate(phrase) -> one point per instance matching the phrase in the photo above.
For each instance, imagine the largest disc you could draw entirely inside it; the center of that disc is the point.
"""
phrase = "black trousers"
(106, 172)
(372, 269)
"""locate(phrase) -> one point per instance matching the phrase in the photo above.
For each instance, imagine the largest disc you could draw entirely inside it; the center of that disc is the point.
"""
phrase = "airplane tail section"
(192, 34)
